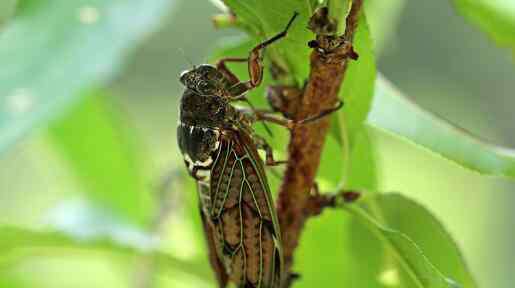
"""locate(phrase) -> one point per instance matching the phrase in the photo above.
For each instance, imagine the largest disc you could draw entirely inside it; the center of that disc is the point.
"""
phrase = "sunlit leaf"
(396, 115)
(103, 153)
(424, 254)
(319, 257)
(53, 49)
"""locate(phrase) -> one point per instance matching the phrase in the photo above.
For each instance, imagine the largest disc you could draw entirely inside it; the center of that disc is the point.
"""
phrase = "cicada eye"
(202, 85)
(184, 78)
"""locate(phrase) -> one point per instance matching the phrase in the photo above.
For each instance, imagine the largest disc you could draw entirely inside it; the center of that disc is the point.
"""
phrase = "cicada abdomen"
(243, 216)
(239, 217)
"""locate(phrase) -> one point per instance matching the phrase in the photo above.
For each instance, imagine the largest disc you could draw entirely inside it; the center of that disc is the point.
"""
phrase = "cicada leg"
(269, 154)
(254, 62)
(269, 116)
(229, 75)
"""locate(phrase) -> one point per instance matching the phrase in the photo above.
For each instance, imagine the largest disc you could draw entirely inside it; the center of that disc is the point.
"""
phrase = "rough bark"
(328, 66)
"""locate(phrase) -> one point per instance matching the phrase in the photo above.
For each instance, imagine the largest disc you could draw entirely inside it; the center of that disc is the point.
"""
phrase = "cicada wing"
(214, 260)
(245, 216)
(218, 268)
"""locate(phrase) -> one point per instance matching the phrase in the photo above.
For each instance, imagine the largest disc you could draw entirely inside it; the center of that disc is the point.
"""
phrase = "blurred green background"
(429, 52)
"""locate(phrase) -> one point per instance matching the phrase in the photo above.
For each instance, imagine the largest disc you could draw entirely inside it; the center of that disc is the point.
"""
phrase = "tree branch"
(328, 65)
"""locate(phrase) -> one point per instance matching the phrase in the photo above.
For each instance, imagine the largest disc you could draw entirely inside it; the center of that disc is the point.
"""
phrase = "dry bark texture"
(329, 60)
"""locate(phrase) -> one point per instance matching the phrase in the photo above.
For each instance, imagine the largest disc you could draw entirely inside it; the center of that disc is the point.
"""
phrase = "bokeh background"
(424, 47)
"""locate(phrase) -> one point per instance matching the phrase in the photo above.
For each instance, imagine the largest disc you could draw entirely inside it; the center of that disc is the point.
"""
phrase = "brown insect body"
(243, 218)
(237, 209)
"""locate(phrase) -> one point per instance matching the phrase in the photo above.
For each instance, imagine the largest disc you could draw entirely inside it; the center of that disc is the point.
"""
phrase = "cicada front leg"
(254, 62)
(255, 115)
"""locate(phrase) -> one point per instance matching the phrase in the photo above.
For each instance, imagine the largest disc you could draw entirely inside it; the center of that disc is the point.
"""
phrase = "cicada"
(220, 151)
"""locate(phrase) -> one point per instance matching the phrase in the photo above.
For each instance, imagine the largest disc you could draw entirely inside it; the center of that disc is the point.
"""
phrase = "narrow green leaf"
(495, 17)
(424, 253)
(394, 114)
(18, 243)
(103, 154)
(53, 49)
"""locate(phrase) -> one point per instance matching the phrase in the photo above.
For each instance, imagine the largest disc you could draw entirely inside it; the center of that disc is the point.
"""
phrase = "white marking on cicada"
(205, 163)
(189, 161)
(204, 175)
(217, 145)
(191, 164)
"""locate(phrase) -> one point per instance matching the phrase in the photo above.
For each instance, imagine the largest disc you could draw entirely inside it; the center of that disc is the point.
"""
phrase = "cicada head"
(205, 79)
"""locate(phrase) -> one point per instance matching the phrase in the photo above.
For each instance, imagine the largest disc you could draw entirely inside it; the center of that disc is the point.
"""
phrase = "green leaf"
(103, 154)
(394, 114)
(318, 258)
(7, 280)
(358, 87)
(53, 49)
(357, 93)
(364, 256)
(363, 168)
(414, 220)
(423, 252)
(16, 244)
(495, 17)
(267, 18)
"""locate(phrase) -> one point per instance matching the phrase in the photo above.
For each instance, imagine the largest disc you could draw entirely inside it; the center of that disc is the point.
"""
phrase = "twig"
(319, 202)
(328, 65)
